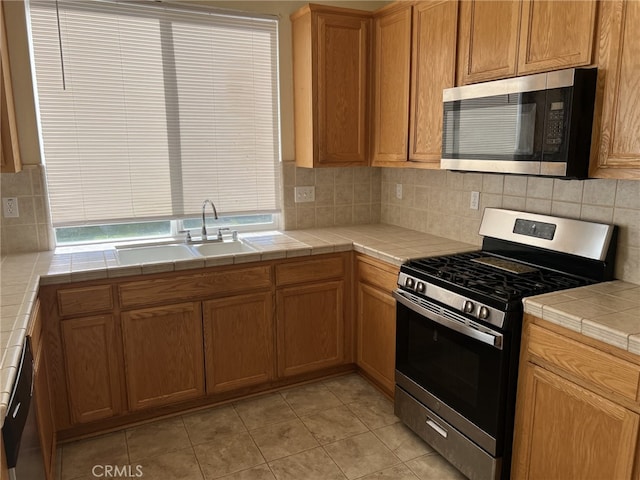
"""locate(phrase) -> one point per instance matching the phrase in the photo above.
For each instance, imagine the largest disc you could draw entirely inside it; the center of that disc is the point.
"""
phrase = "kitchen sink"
(132, 255)
(221, 248)
(154, 253)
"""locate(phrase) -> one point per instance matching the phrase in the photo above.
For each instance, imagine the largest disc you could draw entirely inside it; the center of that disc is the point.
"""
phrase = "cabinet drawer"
(162, 290)
(371, 274)
(310, 270)
(75, 301)
(594, 366)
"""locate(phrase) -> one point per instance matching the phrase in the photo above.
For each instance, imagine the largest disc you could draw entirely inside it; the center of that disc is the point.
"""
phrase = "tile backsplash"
(30, 232)
(437, 201)
(343, 196)
(432, 201)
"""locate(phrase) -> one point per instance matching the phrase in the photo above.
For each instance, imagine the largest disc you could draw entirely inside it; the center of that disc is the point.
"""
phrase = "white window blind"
(147, 109)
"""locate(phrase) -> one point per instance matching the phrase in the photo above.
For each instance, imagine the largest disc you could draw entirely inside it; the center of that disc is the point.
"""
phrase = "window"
(147, 109)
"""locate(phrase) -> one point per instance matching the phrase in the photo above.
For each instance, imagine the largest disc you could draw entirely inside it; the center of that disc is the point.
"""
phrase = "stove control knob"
(420, 287)
(483, 313)
(409, 282)
(468, 306)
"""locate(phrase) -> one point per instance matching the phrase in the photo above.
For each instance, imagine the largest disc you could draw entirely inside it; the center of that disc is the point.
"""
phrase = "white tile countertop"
(21, 275)
(608, 311)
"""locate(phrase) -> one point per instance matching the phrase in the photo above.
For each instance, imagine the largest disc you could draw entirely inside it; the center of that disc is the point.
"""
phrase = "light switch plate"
(305, 194)
(474, 203)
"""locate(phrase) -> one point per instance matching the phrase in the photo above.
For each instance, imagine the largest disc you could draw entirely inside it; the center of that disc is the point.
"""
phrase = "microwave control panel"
(555, 126)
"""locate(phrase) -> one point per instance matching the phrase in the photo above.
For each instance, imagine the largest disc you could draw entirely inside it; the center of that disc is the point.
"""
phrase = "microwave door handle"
(492, 339)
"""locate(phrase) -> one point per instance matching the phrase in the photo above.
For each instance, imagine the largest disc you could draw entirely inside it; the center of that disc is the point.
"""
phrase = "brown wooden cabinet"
(41, 395)
(499, 39)
(311, 307)
(376, 320)
(391, 84)
(414, 60)
(578, 407)
(92, 368)
(10, 151)
(163, 354)
(433, 60)
(238, 341)
(615, 150)
(331, 86)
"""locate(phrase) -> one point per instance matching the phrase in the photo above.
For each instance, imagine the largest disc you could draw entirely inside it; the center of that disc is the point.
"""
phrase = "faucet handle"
(188, 238)
(220, 230)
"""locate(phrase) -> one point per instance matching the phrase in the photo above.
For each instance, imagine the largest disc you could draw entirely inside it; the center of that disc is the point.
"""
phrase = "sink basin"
(155, 253)
(222, 248)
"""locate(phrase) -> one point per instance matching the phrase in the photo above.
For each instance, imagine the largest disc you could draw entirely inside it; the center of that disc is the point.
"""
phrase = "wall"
(437, 202)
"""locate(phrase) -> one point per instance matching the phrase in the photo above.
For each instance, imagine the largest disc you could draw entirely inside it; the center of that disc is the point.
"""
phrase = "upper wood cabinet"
(615, 148)
(414, 60)
(331, 86)
(391, 78)
(10, 151)
(433, 60)
(500, 39)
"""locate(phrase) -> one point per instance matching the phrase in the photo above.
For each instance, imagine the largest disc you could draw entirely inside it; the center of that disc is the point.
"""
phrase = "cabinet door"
(44, 416)
(555, 35)
(163, 354)
(310, 327)
(565, 431)
(238, 340)
(92, 368)
(435, 26)
(10, 151)
(488, 40)
(377, 334)
(392, 60)
(342, 89)
(616, 143)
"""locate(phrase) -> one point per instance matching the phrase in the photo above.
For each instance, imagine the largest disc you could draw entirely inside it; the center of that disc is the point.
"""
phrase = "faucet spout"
(215, 215)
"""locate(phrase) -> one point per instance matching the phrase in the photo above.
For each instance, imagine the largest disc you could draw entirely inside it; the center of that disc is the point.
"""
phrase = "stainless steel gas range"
(458, 329)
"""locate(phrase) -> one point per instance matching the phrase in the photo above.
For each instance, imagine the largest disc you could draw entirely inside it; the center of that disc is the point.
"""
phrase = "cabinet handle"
(436, 427)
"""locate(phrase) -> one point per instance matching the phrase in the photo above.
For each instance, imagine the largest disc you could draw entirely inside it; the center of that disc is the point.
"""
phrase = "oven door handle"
(491, 338)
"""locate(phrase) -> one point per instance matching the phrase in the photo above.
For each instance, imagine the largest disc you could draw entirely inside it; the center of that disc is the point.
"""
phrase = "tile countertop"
(605, 311)
(21, 275)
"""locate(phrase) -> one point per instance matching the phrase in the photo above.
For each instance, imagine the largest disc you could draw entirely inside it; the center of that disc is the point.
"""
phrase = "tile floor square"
(283, 439)
(264, 410)
(206, 425)
(143, 442)
(78, 458)
(310, 465)
(360, 455)
(228, 453)
(334, 424)
(309, 399)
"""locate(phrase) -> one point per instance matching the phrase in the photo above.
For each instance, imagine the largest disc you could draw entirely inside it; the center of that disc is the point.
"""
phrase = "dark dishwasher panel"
(19, 403)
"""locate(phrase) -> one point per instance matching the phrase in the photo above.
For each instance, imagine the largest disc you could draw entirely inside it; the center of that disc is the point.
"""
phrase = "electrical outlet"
(474, 204)
(399, 191)
(10, 207)
(305, 194)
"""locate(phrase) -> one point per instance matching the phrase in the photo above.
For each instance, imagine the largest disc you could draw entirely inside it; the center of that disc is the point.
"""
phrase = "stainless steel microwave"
(534, 125)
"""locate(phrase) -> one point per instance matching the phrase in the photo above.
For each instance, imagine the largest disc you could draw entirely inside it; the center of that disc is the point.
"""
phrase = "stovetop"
(486, 277)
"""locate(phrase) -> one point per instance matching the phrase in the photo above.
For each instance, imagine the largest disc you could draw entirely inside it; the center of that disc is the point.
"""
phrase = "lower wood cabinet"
(163, 354)
(310, 325)
(238, 341)
(376, 320)
(92, 369)
(44, 416)
(578, 411)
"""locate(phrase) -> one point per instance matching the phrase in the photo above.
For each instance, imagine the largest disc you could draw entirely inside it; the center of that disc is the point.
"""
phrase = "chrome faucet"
(215, 215)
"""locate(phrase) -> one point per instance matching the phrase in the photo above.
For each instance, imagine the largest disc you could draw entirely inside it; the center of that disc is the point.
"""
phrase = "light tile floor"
(340, 428)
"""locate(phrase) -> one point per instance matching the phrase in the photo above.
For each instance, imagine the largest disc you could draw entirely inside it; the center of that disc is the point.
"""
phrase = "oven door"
(457, 370)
